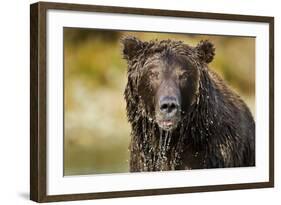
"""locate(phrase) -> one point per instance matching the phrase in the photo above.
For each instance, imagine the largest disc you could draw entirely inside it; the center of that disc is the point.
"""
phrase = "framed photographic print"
(134, 102)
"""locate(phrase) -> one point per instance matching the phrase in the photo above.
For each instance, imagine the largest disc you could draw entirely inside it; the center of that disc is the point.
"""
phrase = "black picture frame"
(38, 102)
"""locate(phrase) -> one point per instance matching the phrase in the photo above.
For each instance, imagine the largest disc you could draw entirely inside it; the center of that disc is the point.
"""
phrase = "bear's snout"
(169, 106)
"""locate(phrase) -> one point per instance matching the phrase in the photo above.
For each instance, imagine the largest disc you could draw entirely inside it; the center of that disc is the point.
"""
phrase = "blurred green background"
(96, 131)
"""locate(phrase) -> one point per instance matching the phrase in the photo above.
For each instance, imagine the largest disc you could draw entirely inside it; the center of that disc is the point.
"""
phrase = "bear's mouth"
(167, 124)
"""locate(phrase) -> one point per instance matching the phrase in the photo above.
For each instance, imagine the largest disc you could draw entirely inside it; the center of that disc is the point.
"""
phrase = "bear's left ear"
(131, 47)
(206, 51)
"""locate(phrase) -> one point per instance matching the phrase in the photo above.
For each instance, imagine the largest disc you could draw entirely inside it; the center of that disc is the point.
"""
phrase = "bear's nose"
(169, 105)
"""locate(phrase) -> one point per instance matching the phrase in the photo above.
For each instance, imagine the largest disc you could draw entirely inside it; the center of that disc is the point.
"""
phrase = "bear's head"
(164, 78)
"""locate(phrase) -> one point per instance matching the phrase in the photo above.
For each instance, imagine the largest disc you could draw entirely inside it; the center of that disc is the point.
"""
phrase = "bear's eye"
(184, 75)
(154, 75)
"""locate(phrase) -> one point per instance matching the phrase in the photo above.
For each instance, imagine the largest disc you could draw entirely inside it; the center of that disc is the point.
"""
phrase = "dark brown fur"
(216, 128)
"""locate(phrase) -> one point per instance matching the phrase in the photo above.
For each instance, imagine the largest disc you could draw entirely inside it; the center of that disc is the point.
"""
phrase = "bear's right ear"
(206, 51)
(131, 47)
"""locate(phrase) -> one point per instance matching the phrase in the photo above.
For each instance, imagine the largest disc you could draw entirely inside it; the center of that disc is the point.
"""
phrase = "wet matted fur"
(216, 128)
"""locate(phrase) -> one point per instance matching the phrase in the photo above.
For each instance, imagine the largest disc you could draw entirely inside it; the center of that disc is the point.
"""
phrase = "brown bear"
(182, 114)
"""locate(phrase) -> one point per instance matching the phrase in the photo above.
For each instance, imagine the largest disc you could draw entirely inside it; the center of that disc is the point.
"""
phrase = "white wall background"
(14, 101)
